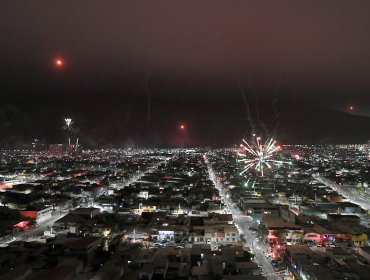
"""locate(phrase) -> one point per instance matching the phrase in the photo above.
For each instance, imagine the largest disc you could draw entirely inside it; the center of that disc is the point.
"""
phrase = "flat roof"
(277, 224)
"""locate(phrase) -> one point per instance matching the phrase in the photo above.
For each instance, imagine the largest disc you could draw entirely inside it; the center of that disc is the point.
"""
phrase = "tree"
(281, 236)
(297, 236)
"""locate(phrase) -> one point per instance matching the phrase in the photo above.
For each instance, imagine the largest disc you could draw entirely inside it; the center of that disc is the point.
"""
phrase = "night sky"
(301, 64)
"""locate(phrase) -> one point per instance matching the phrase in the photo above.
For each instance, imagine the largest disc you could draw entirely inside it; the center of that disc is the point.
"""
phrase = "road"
(138, 176)
(350, 194)
(242, 221)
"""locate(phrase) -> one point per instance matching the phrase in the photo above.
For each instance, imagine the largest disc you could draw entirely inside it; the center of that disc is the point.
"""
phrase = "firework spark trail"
(256, 108)
(149, 96)
(261, 123)
(245, 100)
(275, 122)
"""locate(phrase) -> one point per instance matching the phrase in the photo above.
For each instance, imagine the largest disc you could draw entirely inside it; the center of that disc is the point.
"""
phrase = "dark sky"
(300, 62)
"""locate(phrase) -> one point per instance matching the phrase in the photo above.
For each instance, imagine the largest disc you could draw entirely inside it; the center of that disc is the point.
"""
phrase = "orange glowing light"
(59, 62)
(351, 108)
(182, 127)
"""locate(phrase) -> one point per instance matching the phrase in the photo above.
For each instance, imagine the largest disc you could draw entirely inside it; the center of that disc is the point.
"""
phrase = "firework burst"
(71, 132)
(258, 155)
(68, 122)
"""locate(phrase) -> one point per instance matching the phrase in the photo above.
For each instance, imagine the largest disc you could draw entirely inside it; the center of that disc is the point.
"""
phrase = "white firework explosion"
(68, 122)
(258, 155)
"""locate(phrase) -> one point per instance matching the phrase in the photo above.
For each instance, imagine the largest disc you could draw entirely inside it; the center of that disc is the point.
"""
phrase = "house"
(39, 214)
(70, 223)
(84, 247)
(365, 252)
(319, 234)
(87, 212)
(280, 231)
(360, 239)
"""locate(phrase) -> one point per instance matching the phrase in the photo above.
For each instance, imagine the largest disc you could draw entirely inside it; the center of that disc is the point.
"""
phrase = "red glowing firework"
(59, 63)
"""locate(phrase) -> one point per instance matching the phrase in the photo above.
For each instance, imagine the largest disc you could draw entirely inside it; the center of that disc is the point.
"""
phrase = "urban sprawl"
(184, 214)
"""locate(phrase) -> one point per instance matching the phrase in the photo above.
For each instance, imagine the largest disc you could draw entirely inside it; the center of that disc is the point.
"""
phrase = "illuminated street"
(349, 193)
(243, 222)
